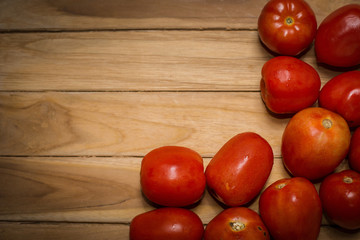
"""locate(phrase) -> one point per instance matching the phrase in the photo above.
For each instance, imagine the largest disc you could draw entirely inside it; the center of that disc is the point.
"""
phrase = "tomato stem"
(327, 123)
(289, 21)
(237, 226)
(348, 180)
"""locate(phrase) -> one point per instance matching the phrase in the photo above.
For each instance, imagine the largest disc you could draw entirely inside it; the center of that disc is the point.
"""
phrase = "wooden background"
(87, 88)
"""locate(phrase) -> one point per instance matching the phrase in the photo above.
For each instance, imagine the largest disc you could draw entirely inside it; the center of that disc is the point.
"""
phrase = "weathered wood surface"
(88, 87)
(136, 61)
(130, 123)
(140, 14)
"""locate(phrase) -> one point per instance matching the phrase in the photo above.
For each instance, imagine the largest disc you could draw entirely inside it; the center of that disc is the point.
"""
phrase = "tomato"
(354, 152)
(340, 197)
(342, 95)
(166, 224)
(236, 223)
(172, 176)
(287, 27)
(288, 85)
(291, 209)
(337, 42)
(314, 143)
(239, 170)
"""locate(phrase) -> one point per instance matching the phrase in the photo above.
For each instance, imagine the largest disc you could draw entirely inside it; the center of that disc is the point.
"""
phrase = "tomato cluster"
(314, 143)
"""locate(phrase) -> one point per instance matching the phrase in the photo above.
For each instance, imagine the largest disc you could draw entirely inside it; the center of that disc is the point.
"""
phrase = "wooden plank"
(92, 189)
(61, 231)
(136, 61)
(71, 231)
(130, 123)
(140, 14)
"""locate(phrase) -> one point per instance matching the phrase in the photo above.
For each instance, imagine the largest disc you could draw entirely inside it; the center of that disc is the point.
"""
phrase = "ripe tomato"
(236, 223)
(291, 209)
(337, 41)
(314, 143)
(239, 170)
(342, 95)
(172, 176)
(166, 224)
(287, 27)
(289, 85)
(340, 197)
(354, 152)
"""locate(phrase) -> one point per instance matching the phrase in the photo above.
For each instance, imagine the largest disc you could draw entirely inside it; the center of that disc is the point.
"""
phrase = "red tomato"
(166, 224)
(340, 197)
(287, 27)
(354, 152)
(172, 176)
(289, 85)
(236, 223)
(337, 42)
(291, 209)
(342, 95)
(239, 170)
(314, 143)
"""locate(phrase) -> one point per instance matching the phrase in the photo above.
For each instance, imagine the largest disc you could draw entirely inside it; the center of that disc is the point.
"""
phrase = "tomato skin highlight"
(287, 27)
(165, 224)
(337, 41)
(240, 169)
(173, 176)
(236, 223)
(314, 143)
(341, 94)
(288, 85)
(291, 209)
(340, 197)
(354, 152)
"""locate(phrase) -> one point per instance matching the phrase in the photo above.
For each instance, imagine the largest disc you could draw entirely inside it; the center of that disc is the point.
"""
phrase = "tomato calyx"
(327, 123)
(289, 21)
(237, 226)
(280, 186)
(347, 180)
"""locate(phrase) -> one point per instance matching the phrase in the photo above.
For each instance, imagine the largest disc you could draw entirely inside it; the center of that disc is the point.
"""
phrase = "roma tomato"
(289, 85)
(236, 223)
(291, 209)
(172, 176)
(314, 143)
(342, 95)
(340, 198)
(337, 41)
(287, 27)
(166, 224)
(354, 152)
(239, 170)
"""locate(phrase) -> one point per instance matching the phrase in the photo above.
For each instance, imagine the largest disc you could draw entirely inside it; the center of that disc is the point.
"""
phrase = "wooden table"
(89, 87)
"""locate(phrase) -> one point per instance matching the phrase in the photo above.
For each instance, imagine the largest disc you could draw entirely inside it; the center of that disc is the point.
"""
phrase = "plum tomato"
(172, 176)
(291, 209)
(287, 27)
(354, 152)
(337, 41)
(165, 224)
(236, 223)
(239, 170)
(289, 85)
(341, 94)
(314, 143)
(340, 198)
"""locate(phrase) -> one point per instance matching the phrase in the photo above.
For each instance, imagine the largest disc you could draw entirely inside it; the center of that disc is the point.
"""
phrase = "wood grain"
(90, 189)
(130, 123)
(136, 61)
(140, 14)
